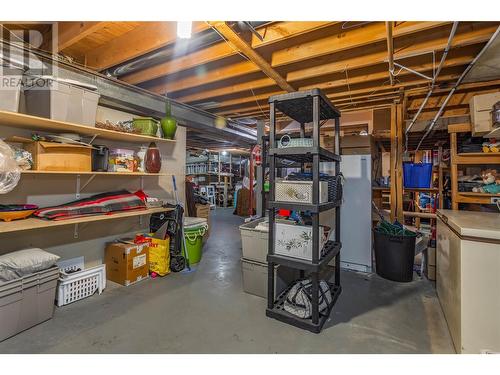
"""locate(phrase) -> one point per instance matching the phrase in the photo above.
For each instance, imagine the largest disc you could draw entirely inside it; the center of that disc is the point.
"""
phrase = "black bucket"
(394, 256)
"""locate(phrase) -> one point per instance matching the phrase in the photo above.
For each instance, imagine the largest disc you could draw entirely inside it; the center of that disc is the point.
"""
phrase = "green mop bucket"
(194, 242)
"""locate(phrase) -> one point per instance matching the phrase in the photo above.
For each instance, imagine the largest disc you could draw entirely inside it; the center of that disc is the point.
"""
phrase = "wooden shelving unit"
(473, 158)
(35, 223)
(27, 122)
(22, 121)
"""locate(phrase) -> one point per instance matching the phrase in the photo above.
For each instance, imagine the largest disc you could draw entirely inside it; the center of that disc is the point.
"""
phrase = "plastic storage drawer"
(255, 278)
(254, 242)
(27, 301)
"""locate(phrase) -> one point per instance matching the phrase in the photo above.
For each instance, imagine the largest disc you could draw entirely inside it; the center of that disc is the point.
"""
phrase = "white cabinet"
(468, 278)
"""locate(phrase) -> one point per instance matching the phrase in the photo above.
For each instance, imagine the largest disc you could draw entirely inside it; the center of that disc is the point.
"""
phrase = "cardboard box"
(126, 262)
(480, 112)
(203, 210)
(53, 156)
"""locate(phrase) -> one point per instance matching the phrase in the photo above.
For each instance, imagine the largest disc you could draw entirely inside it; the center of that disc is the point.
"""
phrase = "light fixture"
(184, 29)
(224, 153)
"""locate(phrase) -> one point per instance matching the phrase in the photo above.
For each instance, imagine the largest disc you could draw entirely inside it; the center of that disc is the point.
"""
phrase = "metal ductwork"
(181, 47)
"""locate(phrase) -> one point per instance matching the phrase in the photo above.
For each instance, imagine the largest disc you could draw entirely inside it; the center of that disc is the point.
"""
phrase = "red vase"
(153, 159)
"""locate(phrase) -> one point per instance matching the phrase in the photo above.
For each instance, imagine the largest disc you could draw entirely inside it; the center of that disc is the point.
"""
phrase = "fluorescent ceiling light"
(184, 29)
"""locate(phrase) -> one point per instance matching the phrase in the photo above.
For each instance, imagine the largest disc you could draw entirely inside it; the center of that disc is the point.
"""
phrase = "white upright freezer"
(356, 212)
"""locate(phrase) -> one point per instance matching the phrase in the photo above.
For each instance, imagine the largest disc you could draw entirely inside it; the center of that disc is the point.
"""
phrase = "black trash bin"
(394, 256)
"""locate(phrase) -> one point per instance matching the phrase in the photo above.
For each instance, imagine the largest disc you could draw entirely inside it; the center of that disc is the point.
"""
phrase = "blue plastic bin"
(417, 175)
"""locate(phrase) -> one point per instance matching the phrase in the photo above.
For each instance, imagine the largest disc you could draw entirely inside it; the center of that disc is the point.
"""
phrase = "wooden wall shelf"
(128, 174)
(35, 223)
(477, 158)
(473, 158)
(22, 121)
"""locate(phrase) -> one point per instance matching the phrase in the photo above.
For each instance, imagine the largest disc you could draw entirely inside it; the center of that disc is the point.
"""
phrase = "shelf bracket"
(142, 183)
(75, 231)
(88, 181)
(77, 194)
(93, 139)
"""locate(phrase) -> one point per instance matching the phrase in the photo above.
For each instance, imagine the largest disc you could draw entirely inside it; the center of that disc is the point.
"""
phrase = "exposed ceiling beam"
(390, 50)
(362, 78)
(139, 41)
(246, 49)
(339, 42)
(256, 111)
(466, 36)
(470, 52)
(276, 32)
(70, 33)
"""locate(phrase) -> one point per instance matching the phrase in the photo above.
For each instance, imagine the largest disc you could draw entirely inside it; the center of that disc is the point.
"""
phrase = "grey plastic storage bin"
(255, 278)
(10, 88)
(82, 105)
(51, 100)
(254, 242)
(27, 301)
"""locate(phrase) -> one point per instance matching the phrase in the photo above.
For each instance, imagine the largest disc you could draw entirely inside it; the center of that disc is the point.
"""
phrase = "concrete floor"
(206, 311)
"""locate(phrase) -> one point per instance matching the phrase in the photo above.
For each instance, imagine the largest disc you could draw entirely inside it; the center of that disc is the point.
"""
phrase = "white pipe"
(433, 84)
(459, 81)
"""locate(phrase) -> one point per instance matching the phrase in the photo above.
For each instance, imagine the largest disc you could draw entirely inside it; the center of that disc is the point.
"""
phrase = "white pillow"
(24, 262)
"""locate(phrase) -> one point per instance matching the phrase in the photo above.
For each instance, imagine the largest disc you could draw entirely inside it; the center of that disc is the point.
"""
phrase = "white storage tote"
(10, 88)
(82, 284)
(296, 240)
(299, 191)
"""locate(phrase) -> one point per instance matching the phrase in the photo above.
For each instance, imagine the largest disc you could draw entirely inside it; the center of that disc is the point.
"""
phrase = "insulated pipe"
(459, 81)
(440, 66)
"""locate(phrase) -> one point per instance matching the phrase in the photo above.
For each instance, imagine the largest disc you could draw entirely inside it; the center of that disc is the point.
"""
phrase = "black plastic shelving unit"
(305, 107)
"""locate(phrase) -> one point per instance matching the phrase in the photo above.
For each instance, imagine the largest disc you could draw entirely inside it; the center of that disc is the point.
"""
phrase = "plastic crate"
(76, 286)
(417, 175)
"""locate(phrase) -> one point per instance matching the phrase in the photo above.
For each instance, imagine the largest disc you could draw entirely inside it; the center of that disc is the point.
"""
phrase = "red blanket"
(99, 204)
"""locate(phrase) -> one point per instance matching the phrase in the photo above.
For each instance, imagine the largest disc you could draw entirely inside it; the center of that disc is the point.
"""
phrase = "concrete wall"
(46, 190)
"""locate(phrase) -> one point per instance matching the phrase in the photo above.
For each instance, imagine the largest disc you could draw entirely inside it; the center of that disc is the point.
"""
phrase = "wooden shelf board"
(137, 174)
(35, 223)
(471, 197)
(480, 154)
(19, 120)
(420, 190)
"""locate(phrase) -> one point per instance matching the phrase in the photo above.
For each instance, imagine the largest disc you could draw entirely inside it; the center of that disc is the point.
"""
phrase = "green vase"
(168, 123)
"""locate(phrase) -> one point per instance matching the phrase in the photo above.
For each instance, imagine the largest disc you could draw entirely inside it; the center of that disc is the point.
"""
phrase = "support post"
(453, 170)
(260, 210)
(396, 162)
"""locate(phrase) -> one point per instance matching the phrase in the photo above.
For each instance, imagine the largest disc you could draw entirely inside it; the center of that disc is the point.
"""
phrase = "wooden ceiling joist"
(274, 33)
(246, 49)
(390, 50)
(139, 41)
(70, 33)
(466, 36)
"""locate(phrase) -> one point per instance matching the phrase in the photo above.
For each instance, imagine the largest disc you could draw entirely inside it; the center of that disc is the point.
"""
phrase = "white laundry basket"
(82, 284)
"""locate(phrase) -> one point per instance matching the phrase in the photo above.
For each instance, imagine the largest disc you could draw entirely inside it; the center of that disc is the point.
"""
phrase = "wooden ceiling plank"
(273, 33)
(228, 90)
(462, 39)
(70, 33)
(232, 37)
(205, 78)
(148, 37)
(358, 37)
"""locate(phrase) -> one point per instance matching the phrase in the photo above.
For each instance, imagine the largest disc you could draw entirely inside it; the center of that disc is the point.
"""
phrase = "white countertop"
(473, 224)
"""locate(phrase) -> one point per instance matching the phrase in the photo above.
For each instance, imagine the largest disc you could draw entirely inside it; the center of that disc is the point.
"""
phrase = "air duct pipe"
(434, 79)
(459, 81)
